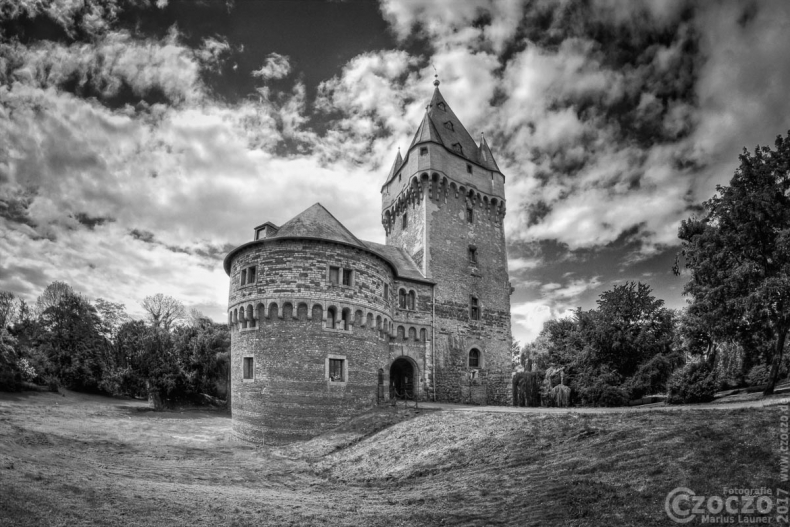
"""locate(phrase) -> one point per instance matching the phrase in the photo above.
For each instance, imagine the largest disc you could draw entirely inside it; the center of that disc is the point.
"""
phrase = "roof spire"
(436, 80)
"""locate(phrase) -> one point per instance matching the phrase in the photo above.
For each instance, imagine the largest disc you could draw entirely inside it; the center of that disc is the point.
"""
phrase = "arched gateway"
(402, 379)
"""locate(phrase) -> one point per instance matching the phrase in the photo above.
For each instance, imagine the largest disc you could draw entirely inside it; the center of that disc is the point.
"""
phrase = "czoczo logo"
(682, 504)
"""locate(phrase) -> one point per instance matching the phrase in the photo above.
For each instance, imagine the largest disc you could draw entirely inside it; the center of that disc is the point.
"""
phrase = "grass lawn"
(90, 460)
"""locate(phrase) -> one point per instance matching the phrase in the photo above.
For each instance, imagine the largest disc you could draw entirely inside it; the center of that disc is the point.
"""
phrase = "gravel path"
(716, 405)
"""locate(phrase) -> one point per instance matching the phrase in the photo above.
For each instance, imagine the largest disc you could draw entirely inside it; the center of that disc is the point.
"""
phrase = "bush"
(758, 375)
(694, 383)
(600, 387)
(652, 376)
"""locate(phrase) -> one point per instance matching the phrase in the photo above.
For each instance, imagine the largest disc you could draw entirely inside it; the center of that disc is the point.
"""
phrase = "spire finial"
(436, 80)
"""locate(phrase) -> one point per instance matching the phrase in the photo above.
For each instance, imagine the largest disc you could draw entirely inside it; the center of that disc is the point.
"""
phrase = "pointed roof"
(485, 157)
(318, 223)
(395, 166)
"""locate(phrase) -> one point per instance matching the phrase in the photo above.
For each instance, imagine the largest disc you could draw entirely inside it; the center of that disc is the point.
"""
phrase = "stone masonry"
(324, 324)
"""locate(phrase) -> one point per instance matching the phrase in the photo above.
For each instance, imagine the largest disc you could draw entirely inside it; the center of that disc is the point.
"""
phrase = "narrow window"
(405, 220)
(472, 255)
(347, 276)
(243, 276)
(386, 292)
(470, 215)
(402, 299)
(251, 275)
(474, 358)
(474, 308)
(412, 297)
(346, 315)
(336, 370)
(331, 315)
(422, 334)
(248, 368)
(424, 151)
(334, 274)
(468, 168)
(399, 179)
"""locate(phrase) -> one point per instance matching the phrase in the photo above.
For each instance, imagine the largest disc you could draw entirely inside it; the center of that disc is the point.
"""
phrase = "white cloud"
(276, 67)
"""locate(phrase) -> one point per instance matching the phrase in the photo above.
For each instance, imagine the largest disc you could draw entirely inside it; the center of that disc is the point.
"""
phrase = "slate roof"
(440, 125)
(317, 222)
(403, 263)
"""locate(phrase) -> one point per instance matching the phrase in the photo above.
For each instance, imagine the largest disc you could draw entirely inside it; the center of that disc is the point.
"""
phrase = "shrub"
(600, 387)
(694, 383)
(758, 375)
(652, 376)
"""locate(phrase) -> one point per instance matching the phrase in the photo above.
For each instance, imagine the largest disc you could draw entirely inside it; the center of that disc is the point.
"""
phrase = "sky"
(141, 140)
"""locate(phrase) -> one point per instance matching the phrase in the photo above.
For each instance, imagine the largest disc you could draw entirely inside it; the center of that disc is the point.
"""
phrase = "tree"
(8, 309)
(112, 316)
(163, 310)
(739, 253)
(52, 295)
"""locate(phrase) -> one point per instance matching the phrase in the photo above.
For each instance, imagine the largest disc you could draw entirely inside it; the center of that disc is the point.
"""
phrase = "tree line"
(733, 331)
(67, 340)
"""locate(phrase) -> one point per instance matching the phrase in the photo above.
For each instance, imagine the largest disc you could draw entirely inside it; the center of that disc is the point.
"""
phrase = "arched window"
(402, 298)
(241, 317)
(346, 316)
(474, 358)
(412, 334)
(412, 298)
(331, 315)
(401, 333)
(250, 317)
(422, 334)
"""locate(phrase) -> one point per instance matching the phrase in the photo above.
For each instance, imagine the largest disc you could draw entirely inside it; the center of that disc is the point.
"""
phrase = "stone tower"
(443, 203)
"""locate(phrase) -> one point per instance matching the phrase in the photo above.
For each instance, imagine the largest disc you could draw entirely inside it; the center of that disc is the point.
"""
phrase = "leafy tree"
(163, 311)
(73, 342)
(9, 306)
(739, 254)
(52, 295)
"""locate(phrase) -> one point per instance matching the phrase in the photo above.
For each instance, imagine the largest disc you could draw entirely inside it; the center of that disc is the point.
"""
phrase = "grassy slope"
(98, 461)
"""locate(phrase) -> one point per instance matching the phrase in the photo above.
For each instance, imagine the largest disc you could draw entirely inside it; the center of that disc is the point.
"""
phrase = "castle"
(324, 324)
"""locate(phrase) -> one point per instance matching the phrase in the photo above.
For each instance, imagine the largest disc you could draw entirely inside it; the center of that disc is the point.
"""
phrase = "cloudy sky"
(141, 140)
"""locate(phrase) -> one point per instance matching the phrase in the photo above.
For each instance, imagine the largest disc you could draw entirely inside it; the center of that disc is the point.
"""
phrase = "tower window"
(470, 215)
(424, 151)
(334, 275)
(348, 277)
(336, 370)
(474, 308)
(468, 168)
(248, 370)
(474, 358)
(251, 275)
(449, 126)
(243, 276)
(405, 220)
(331, 315)
(402, 299)
(399, 178)
(472, 254)
(411, 299)
(386, 291)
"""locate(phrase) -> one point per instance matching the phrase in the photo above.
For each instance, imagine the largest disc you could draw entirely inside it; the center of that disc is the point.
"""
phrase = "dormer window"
(424, 151)
(442, 106)
(449, 126)
(458, 148)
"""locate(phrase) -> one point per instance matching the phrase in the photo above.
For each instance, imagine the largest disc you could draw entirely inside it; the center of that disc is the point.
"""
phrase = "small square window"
(405, 220)
(424, 151)
(470, 215)
(468, 168)
(336, 373)
(347, 276)
(472, 255)
(249, 371)
(334, 274)
(474, 308)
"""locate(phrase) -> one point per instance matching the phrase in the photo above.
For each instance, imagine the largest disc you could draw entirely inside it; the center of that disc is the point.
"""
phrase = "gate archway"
(402, 379)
